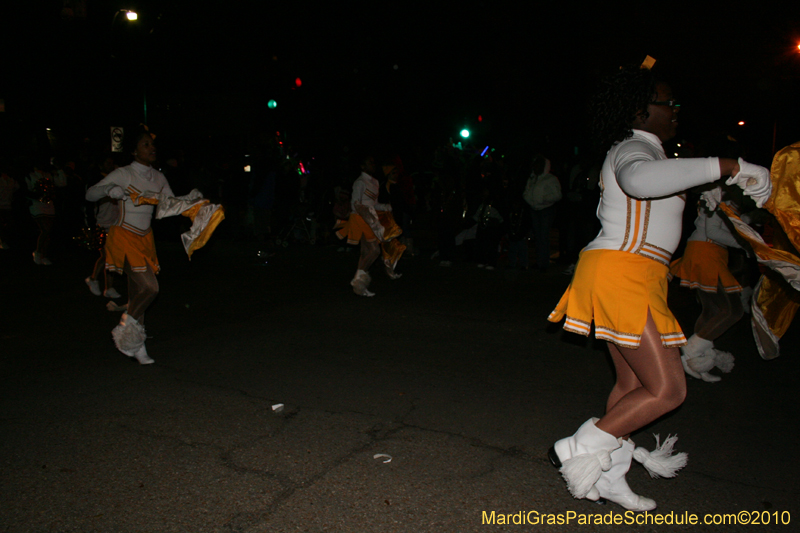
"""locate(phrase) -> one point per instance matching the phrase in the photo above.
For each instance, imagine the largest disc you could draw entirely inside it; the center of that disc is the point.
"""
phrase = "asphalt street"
(452, 373)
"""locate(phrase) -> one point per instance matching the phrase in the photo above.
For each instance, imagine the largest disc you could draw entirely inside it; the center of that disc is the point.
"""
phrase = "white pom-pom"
(723, 361)
(660, 462)
(582, 471)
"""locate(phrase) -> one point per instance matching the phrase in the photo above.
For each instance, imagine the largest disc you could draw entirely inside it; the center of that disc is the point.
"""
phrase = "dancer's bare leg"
(142, 290)
(650, 383)
(99, 265)
(626, 379)
(129, 335)
(109, 280)
(721, 310)
(369, 253)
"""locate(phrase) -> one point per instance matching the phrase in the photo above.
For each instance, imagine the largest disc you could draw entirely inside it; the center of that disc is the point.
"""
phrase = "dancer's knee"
(149, 290)
(673, 394)
(153, 290)
(372, 251)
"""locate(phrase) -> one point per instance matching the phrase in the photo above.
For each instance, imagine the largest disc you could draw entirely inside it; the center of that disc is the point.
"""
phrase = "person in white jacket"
(542, 192)
(130, 247)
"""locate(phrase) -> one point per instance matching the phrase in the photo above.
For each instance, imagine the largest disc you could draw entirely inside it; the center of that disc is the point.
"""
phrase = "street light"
(132, 16)
(129, 14)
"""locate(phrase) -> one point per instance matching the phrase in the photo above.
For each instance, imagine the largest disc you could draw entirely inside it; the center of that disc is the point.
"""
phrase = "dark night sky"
(525, 68)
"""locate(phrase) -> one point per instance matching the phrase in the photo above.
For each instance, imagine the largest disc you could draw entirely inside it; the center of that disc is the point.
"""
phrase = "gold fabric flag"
(776, 298)
(204, 215)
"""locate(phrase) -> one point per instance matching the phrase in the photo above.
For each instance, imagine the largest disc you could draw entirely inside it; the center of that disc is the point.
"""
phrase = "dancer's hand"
(712, 198)
(754, 181)
(117, 193)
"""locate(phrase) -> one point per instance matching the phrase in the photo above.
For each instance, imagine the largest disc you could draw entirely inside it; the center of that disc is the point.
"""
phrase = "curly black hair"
(619, 99)
(133, 134)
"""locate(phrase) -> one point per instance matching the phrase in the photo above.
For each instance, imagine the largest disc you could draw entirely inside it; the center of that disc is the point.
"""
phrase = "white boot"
(696, 362)
(142, 357)
(94, 286)
(111, 293)
(613, 486)
(360, 283)
(583, 457)
(129, 335)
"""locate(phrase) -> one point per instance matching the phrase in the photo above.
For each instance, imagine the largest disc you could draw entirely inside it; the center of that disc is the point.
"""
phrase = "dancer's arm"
(358, 193)
(643, 177)
(109, 187)
(717, 230)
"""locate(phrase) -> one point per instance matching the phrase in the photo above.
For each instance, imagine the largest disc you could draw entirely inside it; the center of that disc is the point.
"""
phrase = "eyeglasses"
(674, 104)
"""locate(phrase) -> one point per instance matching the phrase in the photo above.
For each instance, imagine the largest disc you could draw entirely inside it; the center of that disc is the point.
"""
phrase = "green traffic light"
(272, 104)
(465, 133)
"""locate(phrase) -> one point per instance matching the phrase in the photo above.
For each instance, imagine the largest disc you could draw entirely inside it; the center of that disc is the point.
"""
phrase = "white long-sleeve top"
(640, 207)
(365, 191)
(134, 178)
(542, 191)
(711, 227)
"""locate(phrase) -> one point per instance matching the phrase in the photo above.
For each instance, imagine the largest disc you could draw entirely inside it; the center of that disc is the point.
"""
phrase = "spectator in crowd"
(542, 192)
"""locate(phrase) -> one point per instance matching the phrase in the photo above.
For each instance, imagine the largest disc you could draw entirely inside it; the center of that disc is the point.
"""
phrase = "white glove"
(117, 193)
(754, 181)
(712, 198)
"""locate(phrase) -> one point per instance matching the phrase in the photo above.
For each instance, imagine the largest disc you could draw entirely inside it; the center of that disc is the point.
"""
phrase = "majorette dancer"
(704, 267)
(620, 284)
(371, 224)
(130, 247)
